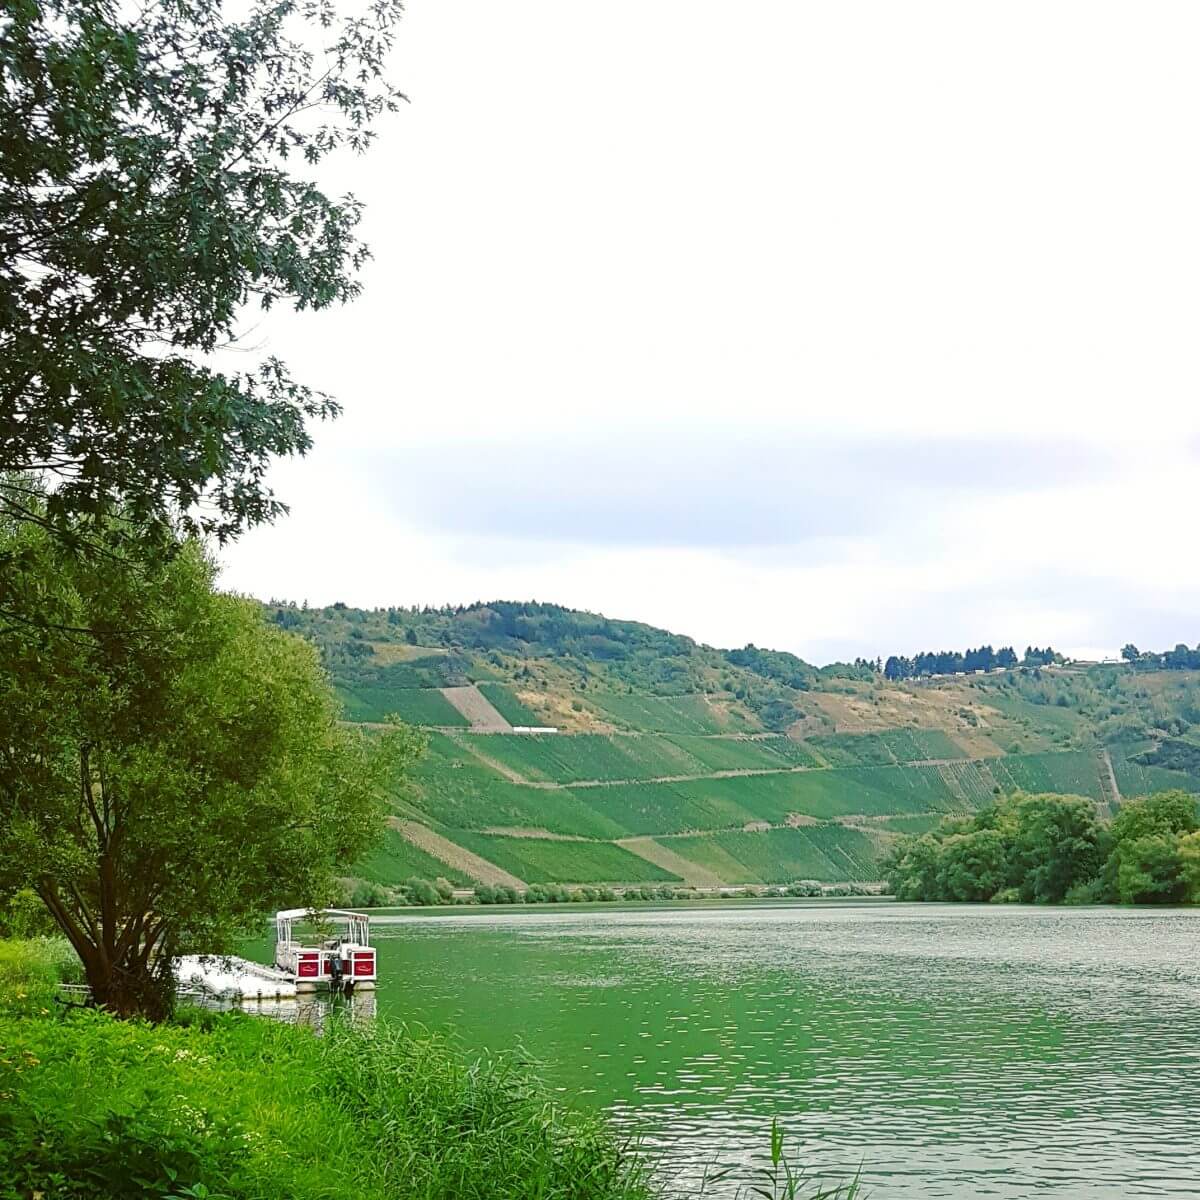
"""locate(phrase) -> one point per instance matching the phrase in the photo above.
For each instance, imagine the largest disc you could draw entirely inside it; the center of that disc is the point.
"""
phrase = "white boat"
(344, 961)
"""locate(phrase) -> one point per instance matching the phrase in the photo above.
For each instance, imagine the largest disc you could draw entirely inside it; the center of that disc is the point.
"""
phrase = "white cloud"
(688, 228)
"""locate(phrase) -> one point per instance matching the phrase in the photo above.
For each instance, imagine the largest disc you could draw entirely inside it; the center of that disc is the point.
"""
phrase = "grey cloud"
(750, 492)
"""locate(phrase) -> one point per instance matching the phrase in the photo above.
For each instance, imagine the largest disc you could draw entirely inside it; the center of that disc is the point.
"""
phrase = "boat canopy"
(357, 925)
(295, 914)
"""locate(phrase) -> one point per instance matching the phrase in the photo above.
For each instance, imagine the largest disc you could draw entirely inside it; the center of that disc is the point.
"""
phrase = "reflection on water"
(957, 1051)
(312, 1009)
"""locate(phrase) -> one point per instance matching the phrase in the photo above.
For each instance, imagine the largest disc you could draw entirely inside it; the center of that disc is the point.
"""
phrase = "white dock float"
(227, 975)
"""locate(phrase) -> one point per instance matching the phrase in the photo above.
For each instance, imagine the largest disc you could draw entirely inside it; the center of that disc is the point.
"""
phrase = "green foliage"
(1070, 774)
(556, 758)
(245, 1109)
(486, 893)
(174, 765)
(680, 769)
(774, 664)
(25, 916)
(421, 892)
(450, 786)
(1039, 846)
(1150, 848)
(157, 169)
(1174, 754)
(744, 753)
(30, 971)
(1136, 779)
(1052, 849)
(1170, 813)
(1149, 870)
(623, 666)
(362, 893)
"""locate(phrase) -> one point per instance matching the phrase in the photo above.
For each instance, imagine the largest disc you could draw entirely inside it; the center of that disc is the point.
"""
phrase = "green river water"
(955, 1051)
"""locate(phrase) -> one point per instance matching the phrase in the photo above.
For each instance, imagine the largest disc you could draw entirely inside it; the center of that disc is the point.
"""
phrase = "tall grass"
(234, 1107)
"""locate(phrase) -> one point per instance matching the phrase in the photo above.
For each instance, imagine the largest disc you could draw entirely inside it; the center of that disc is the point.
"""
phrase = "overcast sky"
(844, 328)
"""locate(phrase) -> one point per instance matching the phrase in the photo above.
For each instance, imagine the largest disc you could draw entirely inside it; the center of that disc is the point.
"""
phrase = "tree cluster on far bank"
(1182, 658)
(953, 662)
(1049, 849)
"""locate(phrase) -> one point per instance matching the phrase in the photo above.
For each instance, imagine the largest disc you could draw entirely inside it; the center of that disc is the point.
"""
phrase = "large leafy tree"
(155, 166)
(171, 766)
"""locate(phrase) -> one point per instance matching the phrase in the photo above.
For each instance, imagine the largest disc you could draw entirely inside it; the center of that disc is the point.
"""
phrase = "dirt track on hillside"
(477, 708)
(658, 854)
(453, 855)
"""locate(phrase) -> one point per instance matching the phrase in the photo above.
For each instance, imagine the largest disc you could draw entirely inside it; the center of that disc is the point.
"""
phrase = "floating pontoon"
(225, 976)
(344, 960)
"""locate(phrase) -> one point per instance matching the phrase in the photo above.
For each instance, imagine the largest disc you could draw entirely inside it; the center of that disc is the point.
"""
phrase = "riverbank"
(245, 1109)
(423, 893)
(231, 1107)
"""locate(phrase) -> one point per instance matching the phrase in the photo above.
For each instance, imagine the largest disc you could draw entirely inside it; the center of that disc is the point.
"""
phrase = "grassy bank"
(233, 1107)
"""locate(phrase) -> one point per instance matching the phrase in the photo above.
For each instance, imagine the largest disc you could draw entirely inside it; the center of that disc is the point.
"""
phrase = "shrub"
(805, 887)
(25, 916)
(422, 892)
(362, 893)
(28, 978)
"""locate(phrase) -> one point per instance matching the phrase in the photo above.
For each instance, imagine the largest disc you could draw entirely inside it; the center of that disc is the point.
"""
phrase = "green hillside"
(674, 760)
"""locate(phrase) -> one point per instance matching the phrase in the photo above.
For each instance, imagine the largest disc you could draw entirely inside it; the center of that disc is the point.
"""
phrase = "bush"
(28, 981)
(421, 891)
(362, 893)
(26, 917)
(805, 887)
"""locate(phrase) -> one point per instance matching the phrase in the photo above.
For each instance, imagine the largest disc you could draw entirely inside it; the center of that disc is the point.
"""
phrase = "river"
(955, 1051)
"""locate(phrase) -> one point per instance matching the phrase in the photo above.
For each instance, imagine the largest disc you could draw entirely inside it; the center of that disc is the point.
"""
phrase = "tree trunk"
(132, 989)
(138, 982)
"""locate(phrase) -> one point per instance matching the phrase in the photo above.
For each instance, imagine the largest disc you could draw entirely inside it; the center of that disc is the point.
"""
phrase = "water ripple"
(954, 1051)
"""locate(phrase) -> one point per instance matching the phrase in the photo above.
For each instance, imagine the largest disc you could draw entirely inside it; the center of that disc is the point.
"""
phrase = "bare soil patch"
(658, 854)
(477, 708)
(531, 831)
(453, 855)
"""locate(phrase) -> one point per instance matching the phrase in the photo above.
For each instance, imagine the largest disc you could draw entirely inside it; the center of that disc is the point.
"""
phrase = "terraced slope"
(678, 760)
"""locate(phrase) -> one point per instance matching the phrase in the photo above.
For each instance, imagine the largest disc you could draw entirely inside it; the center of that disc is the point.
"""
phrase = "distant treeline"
(1179, 659)
(950, 662)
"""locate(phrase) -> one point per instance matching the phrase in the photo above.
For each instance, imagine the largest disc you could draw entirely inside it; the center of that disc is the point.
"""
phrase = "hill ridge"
(752, 765)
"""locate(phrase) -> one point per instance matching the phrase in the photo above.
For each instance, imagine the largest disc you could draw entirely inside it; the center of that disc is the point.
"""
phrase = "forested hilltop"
(675, 763)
